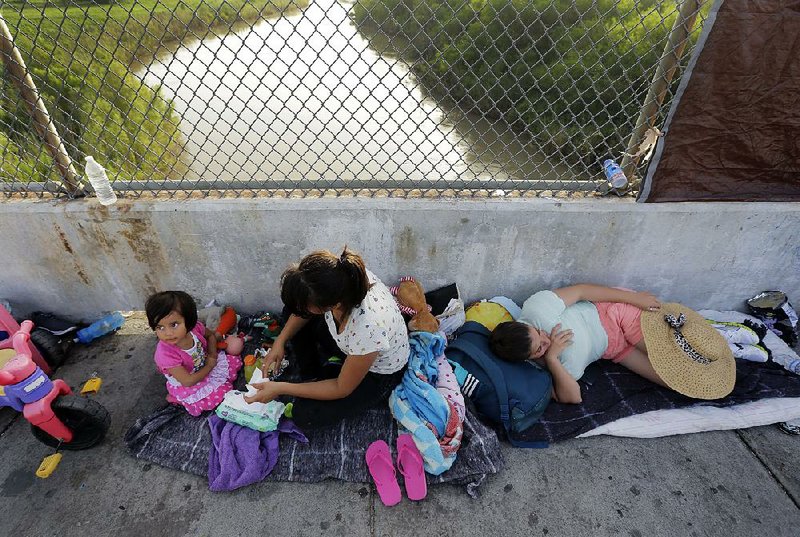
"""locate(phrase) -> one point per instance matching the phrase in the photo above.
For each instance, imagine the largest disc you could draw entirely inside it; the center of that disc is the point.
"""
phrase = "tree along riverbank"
(572, 75)
(81, 58)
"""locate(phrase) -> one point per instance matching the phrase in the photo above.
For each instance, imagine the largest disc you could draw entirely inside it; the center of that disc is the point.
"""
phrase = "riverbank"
(570, 75)
(82, 60)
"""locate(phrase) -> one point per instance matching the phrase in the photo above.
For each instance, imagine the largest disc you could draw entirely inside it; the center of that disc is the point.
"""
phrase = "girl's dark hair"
(511, 341)
(323, 280)
(162, 304)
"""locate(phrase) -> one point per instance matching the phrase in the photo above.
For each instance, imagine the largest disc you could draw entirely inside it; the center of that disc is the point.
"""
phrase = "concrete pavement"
(725, 483)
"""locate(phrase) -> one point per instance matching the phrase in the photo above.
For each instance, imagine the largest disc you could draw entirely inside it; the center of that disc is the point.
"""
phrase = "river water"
(305, 97)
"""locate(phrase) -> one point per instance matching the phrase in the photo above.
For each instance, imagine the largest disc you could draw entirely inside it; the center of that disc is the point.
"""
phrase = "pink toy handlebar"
(21, 338)
(21, 366)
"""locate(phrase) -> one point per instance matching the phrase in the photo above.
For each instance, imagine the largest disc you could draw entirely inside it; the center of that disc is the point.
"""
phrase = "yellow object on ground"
(48, 466)
(92, 386)
(489, 314)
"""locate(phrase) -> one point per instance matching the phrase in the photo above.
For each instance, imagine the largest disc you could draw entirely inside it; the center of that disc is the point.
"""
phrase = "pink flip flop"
(409, 461)
(379, 462)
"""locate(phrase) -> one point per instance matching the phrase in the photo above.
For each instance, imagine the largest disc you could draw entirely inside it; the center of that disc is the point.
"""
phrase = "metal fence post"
(41, 118)
(673, 51)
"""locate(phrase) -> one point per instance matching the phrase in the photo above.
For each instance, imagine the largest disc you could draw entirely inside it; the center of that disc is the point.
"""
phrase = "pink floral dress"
(209, 392)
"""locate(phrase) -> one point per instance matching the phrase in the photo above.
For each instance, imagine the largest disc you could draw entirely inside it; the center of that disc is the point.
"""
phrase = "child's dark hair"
(511, 341)
(162, 304)
(323, 280)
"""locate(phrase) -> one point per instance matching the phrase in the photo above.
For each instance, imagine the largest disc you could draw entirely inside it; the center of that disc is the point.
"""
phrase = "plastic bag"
(774, 309)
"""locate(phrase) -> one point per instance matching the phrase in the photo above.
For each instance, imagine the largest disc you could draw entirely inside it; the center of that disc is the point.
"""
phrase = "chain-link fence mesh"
(311, 96)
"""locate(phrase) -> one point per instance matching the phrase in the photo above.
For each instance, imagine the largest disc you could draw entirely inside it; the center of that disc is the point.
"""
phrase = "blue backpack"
(513, 395)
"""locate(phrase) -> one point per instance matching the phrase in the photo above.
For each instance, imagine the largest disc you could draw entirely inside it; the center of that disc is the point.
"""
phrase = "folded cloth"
(452, 317)
(262, 417)
(235, 409)
(737, 333)
(743, 339)
(779, 351)
(240, 456)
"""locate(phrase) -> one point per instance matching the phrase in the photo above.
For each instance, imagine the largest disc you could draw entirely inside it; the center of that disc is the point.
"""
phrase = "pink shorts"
(622, 323)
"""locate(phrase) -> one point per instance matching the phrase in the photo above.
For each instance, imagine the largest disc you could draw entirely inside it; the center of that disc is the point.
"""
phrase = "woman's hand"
(559, 340)
(273, 358)
(645, 301)
(267, 391)
(565, 388)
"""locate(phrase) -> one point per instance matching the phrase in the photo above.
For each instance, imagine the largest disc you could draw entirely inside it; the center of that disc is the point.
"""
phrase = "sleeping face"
(540, 342)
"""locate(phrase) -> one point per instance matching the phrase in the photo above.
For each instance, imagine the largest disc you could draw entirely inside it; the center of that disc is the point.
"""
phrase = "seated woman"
(340, 307)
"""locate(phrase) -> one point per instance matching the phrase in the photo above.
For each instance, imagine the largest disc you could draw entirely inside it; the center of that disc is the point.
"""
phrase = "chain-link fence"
(342, 96)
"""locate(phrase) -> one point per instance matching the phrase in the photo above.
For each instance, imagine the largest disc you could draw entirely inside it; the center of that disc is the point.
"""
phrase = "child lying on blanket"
(567, 329)
(197, 376)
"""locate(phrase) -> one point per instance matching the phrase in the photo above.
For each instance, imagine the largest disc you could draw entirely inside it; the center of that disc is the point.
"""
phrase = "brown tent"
(733, 131)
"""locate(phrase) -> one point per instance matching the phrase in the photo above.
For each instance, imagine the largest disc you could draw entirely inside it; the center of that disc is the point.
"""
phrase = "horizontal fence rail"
(341, 96)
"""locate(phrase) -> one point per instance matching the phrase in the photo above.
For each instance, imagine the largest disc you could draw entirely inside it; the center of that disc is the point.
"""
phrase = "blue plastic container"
(97, 329)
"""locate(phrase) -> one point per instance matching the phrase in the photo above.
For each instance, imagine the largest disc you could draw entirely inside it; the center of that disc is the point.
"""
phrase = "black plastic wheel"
(88, 420)
(51, 346)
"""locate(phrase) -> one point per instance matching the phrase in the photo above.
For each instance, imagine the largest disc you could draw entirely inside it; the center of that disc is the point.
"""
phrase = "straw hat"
(689, 355)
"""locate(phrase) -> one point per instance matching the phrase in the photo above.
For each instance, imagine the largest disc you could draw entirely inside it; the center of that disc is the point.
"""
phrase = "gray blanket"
(172, 438)
(611, 392)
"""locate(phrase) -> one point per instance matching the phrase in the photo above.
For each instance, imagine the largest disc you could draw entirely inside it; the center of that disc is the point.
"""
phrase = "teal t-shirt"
(545, 309)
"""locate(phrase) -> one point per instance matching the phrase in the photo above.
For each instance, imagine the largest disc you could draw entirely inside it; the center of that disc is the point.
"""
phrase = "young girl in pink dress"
(198, 377)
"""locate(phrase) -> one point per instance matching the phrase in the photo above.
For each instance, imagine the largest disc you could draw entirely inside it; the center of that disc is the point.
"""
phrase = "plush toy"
(226, 323)
(233, 345)
(411, 298)
(210, 316)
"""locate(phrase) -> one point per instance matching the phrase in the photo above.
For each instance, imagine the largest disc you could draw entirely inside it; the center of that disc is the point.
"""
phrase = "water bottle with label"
(789, 364)
(102, 186)
(615, 175)
(104, 326)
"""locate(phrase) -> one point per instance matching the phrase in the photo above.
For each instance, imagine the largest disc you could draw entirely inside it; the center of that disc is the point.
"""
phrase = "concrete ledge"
(79, 258)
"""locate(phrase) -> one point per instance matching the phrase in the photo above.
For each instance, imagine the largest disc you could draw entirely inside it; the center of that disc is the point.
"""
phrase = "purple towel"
(240, 456)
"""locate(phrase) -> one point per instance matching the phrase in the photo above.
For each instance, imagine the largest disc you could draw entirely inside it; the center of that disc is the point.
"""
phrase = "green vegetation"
(569, 73)
(81, 56)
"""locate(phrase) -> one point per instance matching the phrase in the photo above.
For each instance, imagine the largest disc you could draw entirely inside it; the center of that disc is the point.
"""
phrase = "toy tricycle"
(58, 418)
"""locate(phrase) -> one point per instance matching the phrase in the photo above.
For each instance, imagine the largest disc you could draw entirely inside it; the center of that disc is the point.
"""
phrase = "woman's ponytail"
(356, 275)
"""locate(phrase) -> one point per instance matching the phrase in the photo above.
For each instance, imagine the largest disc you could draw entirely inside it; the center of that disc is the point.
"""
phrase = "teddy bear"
(222, 320)
(411, 298)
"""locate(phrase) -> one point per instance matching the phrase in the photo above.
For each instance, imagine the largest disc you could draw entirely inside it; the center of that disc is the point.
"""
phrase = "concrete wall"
(79, 258)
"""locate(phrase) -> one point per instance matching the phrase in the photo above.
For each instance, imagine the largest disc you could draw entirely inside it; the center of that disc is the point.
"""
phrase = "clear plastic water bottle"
(615, 175)
(104, 326)
(102, 186)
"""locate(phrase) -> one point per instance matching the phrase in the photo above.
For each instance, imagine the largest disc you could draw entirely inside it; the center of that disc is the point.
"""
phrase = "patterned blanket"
(611, 392)
(172, 438)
